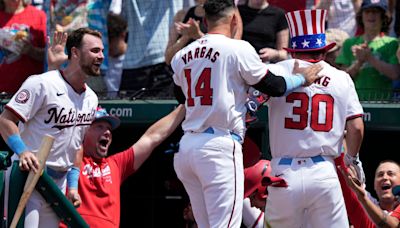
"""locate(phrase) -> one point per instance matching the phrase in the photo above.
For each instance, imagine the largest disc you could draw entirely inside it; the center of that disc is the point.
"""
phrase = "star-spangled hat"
(307, 31)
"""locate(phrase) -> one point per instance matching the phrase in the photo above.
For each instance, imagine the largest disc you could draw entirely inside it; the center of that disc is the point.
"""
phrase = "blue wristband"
(73, 177)
(16, 144)
(293, 82)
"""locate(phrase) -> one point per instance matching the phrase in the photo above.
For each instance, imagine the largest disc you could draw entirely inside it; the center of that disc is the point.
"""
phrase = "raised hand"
(55, 52)
(191, 29)
(352, 181)
(310, 73)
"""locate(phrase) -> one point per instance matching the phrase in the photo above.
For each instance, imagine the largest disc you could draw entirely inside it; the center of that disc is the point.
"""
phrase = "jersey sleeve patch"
(23, 96)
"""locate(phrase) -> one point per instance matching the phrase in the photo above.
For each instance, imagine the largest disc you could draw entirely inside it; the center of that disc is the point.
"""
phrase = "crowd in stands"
(141, 37)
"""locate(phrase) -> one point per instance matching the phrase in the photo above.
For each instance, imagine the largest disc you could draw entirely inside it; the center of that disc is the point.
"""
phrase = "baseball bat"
(33, 178)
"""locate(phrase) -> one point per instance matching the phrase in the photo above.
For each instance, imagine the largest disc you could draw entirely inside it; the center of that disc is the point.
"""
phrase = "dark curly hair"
(216, 9)
(386, 20)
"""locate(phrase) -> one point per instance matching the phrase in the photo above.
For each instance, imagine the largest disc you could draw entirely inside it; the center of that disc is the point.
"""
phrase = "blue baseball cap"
(381, 4)
(102, 115)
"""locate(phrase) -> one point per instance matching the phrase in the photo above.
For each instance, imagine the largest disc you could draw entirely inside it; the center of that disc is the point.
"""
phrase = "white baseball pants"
(313, 199)
(210, 167)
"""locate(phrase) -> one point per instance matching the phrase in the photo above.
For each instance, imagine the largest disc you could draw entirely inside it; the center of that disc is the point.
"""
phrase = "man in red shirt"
(396, 214)
(362, 211)
(101, 176)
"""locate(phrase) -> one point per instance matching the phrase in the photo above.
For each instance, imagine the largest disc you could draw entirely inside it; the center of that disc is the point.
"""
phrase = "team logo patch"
(23, 96)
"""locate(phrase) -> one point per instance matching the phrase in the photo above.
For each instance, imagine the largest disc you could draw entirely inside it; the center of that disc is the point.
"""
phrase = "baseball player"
(306, 129)
(213, 75)
(60, 104)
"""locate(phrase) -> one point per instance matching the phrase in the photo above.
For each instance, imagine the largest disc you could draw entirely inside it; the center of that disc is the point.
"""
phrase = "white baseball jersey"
(311, 120)
(214, 73)
(47, 104)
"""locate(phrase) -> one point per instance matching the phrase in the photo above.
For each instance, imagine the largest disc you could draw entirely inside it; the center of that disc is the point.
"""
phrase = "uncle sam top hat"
(307, 31)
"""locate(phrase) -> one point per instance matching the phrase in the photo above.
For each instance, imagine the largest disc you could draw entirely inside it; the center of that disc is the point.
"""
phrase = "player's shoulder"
(241, 45)
(281, 68)
(42, 79)
(334, 72)
(340, 79)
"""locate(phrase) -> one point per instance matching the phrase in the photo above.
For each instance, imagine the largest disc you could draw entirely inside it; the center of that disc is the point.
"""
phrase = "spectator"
(337, 36)
(25, 27)
(265, 28)
(341, 14)
(370, 59)
(117, 33)
(188, 26)
(47, 104)
(68, 15)
(101, 176)
(144, 64)
(362, 211)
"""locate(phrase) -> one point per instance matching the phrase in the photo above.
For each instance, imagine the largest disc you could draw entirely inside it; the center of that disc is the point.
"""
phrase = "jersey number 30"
(202, 87)
(302, 111)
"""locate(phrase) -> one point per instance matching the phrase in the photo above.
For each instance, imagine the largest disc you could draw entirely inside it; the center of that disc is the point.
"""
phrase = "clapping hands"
(361, 52)
(191, 29)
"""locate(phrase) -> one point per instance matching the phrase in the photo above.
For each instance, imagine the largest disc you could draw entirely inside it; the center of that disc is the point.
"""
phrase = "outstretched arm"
(276, 86)
(377, 215)
(157, 133)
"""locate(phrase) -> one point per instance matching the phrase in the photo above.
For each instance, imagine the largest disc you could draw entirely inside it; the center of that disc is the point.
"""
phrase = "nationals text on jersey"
(200, 52)
(66, 118)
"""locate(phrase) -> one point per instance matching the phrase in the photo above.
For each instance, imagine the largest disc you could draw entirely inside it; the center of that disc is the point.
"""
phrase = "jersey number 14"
(202, 87)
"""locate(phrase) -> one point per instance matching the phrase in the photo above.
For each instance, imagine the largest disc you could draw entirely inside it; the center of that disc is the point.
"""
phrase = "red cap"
(253, 177)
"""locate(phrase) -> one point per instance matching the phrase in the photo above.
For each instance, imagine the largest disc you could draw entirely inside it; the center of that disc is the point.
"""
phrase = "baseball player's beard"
(90, 69)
